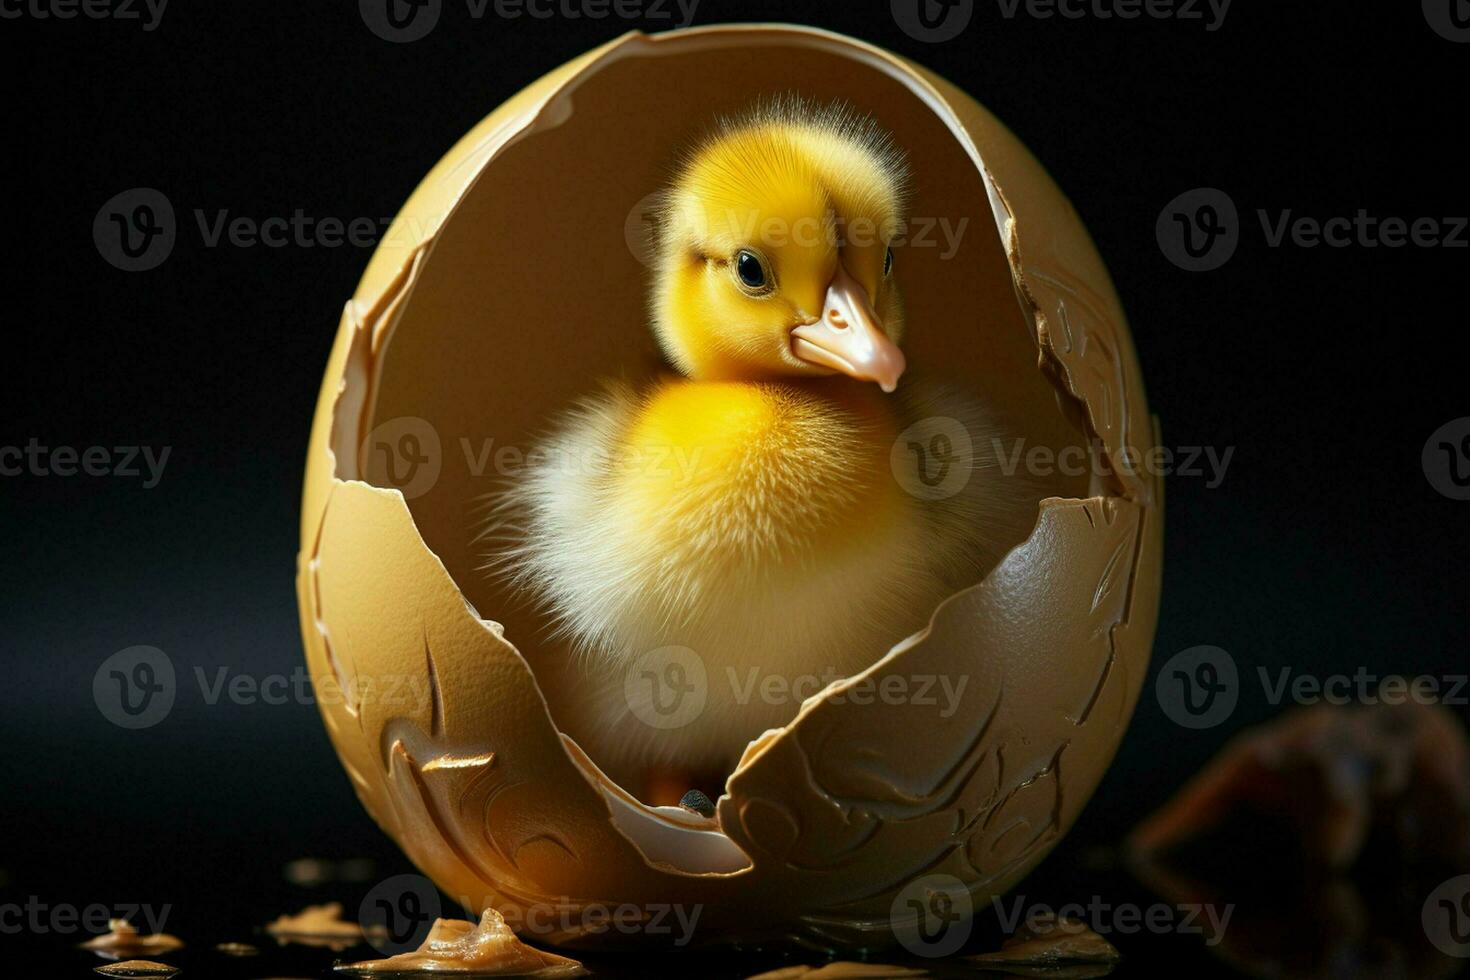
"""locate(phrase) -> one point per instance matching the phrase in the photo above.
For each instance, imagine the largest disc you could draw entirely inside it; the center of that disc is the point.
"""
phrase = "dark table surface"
(1277, 926)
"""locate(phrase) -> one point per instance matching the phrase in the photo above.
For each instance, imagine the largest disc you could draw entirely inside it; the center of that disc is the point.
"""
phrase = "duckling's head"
(775, 250)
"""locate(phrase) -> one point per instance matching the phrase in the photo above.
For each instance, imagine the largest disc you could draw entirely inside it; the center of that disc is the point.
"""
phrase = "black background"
(1325, 548)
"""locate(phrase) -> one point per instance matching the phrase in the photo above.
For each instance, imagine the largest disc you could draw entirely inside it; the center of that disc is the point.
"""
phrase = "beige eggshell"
(504, 289)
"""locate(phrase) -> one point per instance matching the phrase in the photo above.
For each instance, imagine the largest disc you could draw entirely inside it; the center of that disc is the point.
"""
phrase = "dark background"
(1325, 548)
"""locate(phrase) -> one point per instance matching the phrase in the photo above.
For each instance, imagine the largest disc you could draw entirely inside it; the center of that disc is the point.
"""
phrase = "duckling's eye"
(887, 262)
(748, 267)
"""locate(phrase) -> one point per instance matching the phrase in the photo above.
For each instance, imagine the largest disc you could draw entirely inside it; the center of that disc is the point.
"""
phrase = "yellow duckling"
(748, 510)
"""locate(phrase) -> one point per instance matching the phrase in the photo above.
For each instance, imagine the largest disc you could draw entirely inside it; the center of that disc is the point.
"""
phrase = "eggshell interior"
(505, 288)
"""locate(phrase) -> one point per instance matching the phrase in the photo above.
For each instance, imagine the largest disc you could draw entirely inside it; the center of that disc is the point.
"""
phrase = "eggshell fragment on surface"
(1050, 941)
(485, 950)
(842, 970)
(317, 925)
(137, 968)
(237, 949)
(827, 820)
(124, 939)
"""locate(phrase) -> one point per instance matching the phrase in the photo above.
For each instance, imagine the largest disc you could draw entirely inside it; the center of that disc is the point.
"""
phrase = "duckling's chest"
(742, 470)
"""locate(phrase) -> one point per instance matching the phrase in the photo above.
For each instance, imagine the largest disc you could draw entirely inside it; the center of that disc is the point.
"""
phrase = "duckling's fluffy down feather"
(788, 547)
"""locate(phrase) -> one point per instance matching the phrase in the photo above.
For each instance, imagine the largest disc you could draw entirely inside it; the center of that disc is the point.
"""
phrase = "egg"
(507, 286)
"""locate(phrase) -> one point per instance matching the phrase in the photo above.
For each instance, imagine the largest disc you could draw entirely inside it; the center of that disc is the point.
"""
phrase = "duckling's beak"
(848, 337)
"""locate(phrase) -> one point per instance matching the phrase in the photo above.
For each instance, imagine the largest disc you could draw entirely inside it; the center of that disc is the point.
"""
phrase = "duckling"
(747, 510)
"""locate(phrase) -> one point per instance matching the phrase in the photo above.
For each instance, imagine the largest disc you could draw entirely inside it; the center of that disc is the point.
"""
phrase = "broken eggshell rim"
(669, 839)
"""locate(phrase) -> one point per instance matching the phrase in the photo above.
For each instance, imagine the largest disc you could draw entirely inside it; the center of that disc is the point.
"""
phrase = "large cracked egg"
(510, 284)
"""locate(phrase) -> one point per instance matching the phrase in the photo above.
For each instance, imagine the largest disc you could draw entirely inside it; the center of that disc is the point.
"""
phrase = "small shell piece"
(136, 968)
(488, 949)
(317, 925)
(1051, 941)
(842, 970)
(124, 939)
(237, 949)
